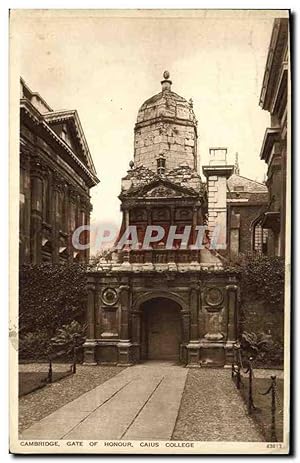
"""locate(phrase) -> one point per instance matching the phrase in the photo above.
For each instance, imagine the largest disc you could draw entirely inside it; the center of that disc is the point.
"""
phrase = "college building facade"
(56, 174)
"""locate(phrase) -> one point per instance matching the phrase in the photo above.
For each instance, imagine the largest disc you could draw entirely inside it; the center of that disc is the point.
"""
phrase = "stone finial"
(166, 82)
(131, 164)
(191, 103)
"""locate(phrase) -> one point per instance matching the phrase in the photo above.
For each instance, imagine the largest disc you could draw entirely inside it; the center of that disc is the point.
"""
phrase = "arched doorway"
(161, 330)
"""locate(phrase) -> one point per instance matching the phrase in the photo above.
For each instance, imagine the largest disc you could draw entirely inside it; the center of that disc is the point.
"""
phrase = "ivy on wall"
(50, 295)
(262, 279)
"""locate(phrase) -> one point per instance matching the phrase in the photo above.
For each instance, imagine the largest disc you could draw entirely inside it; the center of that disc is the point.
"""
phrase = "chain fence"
(243, 378)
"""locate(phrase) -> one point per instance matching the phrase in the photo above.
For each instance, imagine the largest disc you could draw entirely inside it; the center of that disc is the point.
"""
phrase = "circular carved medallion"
(109, 296)
(213, 296)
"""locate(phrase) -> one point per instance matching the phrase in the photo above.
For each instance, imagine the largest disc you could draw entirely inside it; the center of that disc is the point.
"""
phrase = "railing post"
(238, 377)
(273, 410)
(50, 371)
(74, 359)
(250, 395)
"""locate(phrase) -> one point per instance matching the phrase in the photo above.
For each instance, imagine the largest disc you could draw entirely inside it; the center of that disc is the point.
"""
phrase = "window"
(161, 165)
(238, 188)
(260, 239)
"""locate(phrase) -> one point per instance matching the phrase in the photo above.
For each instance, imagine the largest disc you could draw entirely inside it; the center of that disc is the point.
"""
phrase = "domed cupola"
(166, 131)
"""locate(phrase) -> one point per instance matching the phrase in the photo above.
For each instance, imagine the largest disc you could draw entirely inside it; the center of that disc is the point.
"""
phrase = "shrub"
(34, 345)
(69, 337)
(50, 295)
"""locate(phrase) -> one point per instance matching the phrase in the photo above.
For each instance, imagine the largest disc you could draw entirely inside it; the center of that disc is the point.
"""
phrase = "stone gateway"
(177, 304)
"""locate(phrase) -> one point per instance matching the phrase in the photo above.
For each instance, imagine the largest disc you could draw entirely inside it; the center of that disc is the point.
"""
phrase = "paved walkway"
(144, 402)
(141, 402)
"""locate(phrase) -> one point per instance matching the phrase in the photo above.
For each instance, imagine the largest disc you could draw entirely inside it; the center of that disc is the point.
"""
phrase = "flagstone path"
(153, 401)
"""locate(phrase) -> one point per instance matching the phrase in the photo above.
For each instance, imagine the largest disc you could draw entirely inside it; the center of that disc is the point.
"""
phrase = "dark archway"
(161, 329)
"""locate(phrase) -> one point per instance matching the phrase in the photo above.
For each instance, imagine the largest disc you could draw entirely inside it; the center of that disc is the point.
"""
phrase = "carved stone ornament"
(162, 191)
(213, 297)
(109, 296)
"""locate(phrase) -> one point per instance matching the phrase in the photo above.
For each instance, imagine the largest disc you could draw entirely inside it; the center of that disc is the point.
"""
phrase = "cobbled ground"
(212, 410)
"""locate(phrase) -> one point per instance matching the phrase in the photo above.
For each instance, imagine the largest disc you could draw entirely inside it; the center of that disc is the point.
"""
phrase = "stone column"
(126, 218)
(71, 220)
(56, 217)
(124, 346)
(124, 301)
(232, 321)
(195, 223)
(172, 218)
(25, 203)
(36, 210)
(193, 347)
(232, 312)
(89, 347)
(136, 334)
(185, 326)
(149, 215)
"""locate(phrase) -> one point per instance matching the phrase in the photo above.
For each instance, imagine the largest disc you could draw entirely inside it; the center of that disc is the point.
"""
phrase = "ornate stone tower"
(160, 301)
(166, 131)
(163, 186)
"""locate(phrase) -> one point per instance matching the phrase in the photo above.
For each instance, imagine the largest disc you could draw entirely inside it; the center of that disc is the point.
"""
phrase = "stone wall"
(176, 141)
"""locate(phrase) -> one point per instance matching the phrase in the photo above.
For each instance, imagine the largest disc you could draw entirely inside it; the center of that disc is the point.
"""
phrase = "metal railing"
(237, 368)
(73, 366)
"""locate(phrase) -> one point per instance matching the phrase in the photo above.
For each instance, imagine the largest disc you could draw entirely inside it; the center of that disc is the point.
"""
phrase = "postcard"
(150, 227)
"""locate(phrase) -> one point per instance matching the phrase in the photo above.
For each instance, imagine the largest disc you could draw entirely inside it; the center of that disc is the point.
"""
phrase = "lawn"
(31, 381)
(45, 400)
(262, 412)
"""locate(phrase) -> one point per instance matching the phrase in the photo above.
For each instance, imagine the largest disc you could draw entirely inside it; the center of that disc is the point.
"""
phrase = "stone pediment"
(67, 125)
(160, 188)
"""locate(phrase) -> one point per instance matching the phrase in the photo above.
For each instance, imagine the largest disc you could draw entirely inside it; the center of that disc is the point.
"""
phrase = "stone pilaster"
(25, 203)
(232, 321)
(89, 347)
(193, 347)
(124, 346)
(36, 210)
(185, 326)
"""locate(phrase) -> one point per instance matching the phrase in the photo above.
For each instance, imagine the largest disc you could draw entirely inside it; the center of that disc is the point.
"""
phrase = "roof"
(166, 104)
(275, 59)
(72, 116)
(249, 185)
(31, 111)
(182, 176)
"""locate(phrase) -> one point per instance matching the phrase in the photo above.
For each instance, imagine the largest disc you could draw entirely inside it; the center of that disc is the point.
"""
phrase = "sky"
(106, 64)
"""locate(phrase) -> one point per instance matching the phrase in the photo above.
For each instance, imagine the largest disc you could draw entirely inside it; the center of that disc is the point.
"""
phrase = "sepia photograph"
(150, 231)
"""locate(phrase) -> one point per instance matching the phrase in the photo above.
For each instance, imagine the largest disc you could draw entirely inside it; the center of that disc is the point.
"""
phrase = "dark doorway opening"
(161, 331)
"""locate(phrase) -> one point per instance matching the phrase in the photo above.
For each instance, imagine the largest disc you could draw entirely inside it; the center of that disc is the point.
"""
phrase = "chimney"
(217, 173)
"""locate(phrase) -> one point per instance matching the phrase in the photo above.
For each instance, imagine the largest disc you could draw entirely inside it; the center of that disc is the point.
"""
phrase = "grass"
(31, 381)
(46, 400)
(262, 412)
